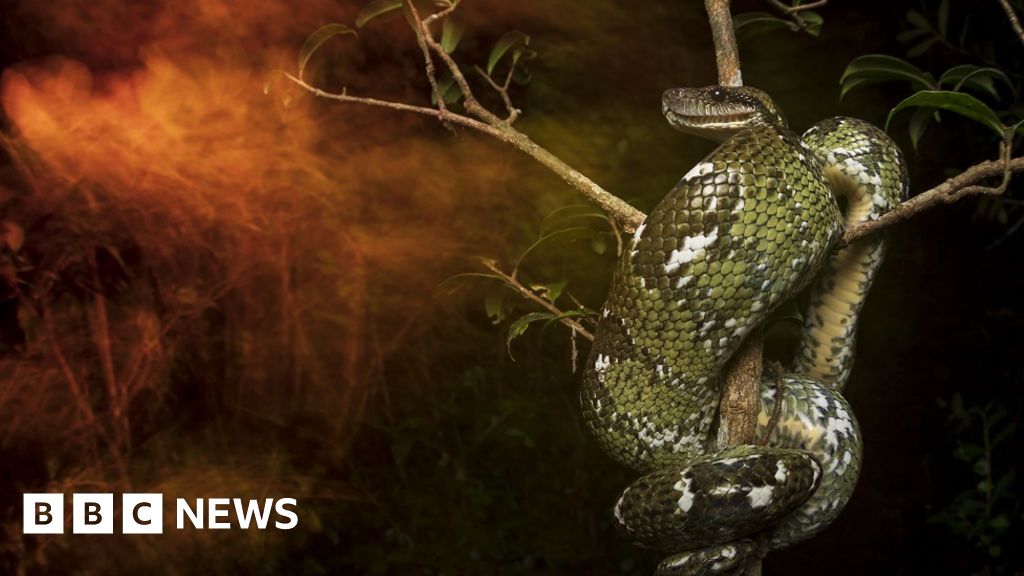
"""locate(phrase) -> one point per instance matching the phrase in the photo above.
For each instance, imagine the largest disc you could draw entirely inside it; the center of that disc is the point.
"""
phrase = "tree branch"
(739, 398)
(727, 55)
(742, 376)
(628, 217)
(472, 105)
(1014, 21)
(957, 187)
(741, 392)
(502, 90)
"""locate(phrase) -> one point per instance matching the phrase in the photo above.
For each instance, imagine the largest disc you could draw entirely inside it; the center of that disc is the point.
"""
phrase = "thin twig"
(428, 62)
(619, 245)
(789, 9)
(588, 318)
(629, 218)
(502, 90)
(515, 284)
(793, 12)
(1012, 17)
(441, 15)
(472, 105)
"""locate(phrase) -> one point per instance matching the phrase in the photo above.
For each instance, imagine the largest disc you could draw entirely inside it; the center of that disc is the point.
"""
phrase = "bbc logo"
(93, 514)
(144, 513)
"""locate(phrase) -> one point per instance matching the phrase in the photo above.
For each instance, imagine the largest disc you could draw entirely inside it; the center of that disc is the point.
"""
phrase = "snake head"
(718, 112)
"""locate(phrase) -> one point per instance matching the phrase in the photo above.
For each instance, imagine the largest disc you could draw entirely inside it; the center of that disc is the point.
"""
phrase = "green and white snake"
(748, 227)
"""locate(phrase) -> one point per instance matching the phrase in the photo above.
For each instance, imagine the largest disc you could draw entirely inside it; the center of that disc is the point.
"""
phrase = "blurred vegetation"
(986, 514)
(212, 294)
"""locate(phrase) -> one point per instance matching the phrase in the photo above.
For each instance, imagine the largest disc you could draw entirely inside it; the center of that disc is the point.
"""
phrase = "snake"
(755, 223)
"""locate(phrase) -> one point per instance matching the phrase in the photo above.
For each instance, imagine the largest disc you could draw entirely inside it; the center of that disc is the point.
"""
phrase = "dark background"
(318, 360)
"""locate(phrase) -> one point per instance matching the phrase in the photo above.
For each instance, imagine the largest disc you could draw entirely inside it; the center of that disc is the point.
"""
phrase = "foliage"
(976, 82)
(475, 460)
(951, 92)
(512, 46)
(988, 515)
(798, 18)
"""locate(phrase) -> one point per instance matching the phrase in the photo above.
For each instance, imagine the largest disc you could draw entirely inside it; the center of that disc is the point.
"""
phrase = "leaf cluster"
(987, 513)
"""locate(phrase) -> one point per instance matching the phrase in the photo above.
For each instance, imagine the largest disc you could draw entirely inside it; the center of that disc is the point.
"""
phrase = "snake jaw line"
(719, 112)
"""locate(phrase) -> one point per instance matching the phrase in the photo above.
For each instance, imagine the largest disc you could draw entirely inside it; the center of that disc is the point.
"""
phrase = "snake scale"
(755, 222)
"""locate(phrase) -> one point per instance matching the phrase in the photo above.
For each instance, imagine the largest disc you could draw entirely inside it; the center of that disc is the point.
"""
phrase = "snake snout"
(670, 101)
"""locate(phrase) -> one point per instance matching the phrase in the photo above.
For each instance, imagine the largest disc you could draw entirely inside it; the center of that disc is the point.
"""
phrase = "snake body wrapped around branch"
(748, 227)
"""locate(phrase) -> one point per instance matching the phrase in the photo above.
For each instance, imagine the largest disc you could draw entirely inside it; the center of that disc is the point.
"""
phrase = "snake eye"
(718, 95)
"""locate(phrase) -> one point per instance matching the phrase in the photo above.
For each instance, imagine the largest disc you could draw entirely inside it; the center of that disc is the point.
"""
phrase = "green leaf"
(1003, 484)
(853, 83)
(513, 41)
(981, 469)
(750, 24)
(919, 124)
(443, 288)
(494, 304)
(599, 245)
(908, 35)
(518, 433)
(375, 9)
(410, 19)
(976, 77)
(448, 89)
(968, 452)
(958, 102)
(569, 314)
(568, 213)
(943, 17)
(917, 19)
(317, 39)
(963, 32)
(551, 291)
(522, 76)
(400, 451)
(518, 328)
(922, 47)
(451, 34)
(1000, 522)
(576, 233)
(873, 68)
(956, 405)
(1006, 431)
(812, 22)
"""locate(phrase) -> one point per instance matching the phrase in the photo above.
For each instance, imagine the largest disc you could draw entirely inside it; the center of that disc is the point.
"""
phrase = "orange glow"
(318, 230)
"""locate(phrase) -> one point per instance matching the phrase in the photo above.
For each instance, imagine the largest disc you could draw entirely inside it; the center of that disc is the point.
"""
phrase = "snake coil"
(748, 227)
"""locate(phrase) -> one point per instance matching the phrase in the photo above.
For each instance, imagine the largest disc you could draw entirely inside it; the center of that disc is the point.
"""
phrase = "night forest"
(217, 283)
